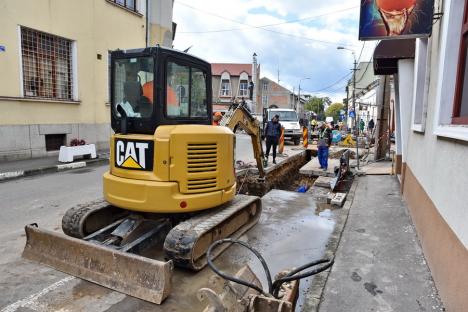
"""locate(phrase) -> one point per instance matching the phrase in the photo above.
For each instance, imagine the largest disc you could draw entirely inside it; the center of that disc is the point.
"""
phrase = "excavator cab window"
(186, 95)
(133, 86)
(158, 86)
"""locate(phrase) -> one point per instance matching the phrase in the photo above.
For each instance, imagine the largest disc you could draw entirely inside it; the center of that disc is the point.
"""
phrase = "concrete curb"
(7, 176)
(314, 294)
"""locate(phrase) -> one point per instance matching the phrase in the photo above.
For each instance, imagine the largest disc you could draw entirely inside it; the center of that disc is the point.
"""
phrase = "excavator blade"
(131, 274)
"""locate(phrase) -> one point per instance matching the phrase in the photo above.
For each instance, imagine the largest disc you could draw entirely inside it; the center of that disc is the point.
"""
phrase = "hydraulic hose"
(275, 286)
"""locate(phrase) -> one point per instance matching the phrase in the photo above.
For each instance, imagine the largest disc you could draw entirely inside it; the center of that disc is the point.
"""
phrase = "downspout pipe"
(147, 23)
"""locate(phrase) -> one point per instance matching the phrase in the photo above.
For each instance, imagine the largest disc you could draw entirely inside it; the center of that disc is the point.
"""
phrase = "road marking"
(31, 300)
(12, 174)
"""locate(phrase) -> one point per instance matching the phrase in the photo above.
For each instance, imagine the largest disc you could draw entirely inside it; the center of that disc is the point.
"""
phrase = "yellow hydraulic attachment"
(238, 116)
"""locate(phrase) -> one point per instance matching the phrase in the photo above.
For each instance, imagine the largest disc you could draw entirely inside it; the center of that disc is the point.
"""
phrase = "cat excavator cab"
(170, 190)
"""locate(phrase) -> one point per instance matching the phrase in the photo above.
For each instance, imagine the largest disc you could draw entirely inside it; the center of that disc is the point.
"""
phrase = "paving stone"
(312, 168)
(323, 182)
(338, 199)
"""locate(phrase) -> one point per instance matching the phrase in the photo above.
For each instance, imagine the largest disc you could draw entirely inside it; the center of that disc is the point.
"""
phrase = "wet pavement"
(290, 233)
(379, 264)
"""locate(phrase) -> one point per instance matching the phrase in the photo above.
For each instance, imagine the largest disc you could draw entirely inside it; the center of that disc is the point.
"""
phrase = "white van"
(288, 119)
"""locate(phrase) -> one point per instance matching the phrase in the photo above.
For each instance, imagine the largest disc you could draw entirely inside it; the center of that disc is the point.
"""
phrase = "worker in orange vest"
(217, 118)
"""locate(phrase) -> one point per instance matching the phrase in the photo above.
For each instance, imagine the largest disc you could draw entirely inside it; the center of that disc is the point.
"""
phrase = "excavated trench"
(284, 176)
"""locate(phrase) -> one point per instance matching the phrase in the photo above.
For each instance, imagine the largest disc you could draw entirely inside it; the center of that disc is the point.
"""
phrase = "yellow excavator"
(170, 191)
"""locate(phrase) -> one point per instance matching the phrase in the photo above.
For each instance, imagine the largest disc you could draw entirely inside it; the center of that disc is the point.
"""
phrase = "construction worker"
(273, 133)
(314, 124)
(217, 118)
(361, 126)
(324, 142)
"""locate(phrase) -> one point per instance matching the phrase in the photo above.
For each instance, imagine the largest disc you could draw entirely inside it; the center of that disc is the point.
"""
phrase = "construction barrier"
(305, 137)
(281, 142)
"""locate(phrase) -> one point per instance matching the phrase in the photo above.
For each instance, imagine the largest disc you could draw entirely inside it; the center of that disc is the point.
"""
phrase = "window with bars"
(460, 109)
(47, 65)
(128, 4)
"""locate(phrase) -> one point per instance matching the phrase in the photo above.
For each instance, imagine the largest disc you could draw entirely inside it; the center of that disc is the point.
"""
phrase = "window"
(186, 94)
(54, 141)
(447, 71)
(244, 88)
(265, 100)
(133, 86)
(128, 4)
(47, 65)
(199, 107)
(225, 87)
(265, 86)
(460, 110)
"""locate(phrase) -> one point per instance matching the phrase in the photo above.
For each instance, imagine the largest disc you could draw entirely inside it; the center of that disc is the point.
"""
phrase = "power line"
(264, 29)
(362, 49)
(333, 84)
(263, 26)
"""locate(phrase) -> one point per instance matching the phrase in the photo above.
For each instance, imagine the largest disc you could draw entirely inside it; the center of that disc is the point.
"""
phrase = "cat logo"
(134, 155)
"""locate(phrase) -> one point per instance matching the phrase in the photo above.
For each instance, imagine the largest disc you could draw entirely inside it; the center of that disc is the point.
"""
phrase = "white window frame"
(75, 90)
(243, 77)
(20, 53)
(225, 76)
(447, 78)
(422, 73)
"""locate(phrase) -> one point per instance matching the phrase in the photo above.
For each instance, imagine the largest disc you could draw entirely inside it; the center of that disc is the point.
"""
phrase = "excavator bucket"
(128, 273)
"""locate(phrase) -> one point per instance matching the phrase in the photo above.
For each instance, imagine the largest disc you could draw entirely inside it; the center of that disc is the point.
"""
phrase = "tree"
(317, 105)
(334, 111)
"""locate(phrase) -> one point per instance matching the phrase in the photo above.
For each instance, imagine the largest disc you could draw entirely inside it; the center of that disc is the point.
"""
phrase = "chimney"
(254, 80)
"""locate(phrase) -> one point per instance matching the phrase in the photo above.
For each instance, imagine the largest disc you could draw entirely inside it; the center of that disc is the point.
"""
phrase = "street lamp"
(299, 95)
(354, 101)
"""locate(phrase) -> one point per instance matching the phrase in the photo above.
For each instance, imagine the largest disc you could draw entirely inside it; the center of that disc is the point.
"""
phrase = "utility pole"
(354, 102)
(254, 80)
(299, 95)
(354, 108)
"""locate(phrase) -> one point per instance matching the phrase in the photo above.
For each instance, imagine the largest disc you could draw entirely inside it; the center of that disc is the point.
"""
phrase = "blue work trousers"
(323, 156)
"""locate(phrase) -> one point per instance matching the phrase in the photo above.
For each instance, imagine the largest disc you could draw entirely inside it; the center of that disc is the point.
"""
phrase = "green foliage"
(334, 111)
(317, 105)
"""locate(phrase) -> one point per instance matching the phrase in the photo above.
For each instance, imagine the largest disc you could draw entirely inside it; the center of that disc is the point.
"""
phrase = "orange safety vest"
(148, 92)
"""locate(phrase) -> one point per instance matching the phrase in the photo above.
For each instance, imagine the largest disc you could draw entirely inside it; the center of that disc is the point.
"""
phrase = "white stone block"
(339, 199)
(67, 153)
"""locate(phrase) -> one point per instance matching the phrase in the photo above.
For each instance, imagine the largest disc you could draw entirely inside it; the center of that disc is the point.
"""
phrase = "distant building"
(232, 82)
(274, 95)
(54, 65)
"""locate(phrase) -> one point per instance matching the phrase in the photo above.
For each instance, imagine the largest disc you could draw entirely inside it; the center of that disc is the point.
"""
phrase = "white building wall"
(438, 156)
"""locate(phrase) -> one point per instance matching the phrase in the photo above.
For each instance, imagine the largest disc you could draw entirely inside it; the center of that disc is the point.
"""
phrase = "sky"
(301, 41)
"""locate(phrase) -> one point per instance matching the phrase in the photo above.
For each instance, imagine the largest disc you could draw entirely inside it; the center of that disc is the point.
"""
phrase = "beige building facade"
(54, 62)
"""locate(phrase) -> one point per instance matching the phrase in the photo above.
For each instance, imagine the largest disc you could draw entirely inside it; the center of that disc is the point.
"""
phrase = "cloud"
(305, 49)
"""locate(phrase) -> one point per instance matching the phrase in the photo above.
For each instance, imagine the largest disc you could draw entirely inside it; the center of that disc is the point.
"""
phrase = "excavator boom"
(239, 116)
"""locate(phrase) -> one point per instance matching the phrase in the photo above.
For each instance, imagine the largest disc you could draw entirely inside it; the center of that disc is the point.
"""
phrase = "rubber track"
(74, 219)
(182, 239)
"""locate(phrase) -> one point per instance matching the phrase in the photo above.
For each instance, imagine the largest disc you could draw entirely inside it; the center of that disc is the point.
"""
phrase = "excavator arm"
(239, 116)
